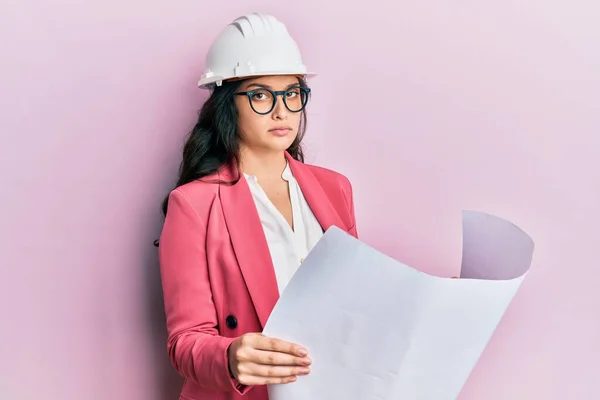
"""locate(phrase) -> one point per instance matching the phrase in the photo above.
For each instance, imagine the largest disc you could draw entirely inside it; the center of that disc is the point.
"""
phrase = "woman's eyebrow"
(264, 85)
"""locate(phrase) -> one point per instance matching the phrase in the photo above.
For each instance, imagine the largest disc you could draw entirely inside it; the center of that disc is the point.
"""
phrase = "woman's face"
(274, 131)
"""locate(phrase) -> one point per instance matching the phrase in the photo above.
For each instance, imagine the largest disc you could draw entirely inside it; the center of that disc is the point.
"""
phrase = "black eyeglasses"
(263, 100)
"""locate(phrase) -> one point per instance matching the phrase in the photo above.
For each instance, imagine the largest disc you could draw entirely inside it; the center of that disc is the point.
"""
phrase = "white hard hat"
(252, 45)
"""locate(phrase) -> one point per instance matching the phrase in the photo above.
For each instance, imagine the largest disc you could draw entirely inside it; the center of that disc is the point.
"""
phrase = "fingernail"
(302, 352)
(307, 361)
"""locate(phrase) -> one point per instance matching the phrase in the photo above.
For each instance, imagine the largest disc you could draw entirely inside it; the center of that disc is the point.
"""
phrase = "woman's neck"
(265, 166)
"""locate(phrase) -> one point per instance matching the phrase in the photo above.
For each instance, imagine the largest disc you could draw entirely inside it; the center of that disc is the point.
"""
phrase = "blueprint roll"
(378, 329)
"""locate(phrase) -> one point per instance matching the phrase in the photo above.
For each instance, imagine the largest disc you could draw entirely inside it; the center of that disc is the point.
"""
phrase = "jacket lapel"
(315, 195)
(249, 244)
(248, 238)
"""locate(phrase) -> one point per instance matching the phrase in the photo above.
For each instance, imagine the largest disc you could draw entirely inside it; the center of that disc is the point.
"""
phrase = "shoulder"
(339, 190)
(331, 178)
(337, 186)
(328, 176)
(199, 195)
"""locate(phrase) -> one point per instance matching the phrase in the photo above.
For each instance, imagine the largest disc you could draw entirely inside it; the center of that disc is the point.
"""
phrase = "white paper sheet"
(379, 329)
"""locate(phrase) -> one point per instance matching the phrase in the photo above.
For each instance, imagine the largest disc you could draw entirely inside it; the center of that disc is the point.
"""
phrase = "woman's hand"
(255, 359)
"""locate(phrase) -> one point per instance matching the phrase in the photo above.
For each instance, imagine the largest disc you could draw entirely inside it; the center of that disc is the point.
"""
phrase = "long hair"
(214, 140)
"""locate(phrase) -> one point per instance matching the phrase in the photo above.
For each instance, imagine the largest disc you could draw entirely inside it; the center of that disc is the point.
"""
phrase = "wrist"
(229, 369)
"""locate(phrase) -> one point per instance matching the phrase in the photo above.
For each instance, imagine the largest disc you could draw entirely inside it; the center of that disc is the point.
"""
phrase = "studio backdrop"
(428, 107)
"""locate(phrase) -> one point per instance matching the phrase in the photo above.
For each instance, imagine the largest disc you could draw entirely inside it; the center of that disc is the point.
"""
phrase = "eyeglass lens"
(263, 100)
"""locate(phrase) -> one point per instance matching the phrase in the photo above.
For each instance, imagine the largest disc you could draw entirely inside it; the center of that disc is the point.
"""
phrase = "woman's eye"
(293, 93)
(262, 95)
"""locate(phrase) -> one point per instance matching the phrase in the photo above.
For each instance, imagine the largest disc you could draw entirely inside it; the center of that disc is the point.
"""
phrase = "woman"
(245, 212)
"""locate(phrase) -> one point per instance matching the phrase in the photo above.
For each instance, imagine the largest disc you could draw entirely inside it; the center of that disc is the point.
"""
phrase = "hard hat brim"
(213, 80)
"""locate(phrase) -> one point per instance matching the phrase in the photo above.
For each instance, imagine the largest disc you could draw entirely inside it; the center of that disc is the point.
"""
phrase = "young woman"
(245, 212)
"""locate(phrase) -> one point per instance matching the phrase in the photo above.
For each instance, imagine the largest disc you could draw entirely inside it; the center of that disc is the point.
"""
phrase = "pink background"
(428, 107)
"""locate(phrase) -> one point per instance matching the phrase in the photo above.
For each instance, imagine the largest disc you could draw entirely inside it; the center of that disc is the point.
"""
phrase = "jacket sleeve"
(195, 349)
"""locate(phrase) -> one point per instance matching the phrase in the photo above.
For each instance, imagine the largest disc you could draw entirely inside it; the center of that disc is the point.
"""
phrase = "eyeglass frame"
(275, 94)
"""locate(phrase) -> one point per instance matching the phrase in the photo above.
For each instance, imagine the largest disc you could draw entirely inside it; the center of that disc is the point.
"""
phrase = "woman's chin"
(281, 142)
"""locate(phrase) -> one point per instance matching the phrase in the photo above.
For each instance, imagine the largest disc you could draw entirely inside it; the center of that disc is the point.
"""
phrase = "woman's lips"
(280, 131)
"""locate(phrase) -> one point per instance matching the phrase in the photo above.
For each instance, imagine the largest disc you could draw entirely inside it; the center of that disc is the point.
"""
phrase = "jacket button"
(231, 321)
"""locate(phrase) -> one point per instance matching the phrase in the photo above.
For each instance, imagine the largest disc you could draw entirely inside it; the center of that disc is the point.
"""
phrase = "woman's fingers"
(259, 360)
(258, 350)
(274, 358)
(261, 342)
(250, 373)
(272, 371)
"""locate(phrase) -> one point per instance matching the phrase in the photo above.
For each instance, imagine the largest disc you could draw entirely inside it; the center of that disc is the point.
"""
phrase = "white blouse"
(288, 247)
